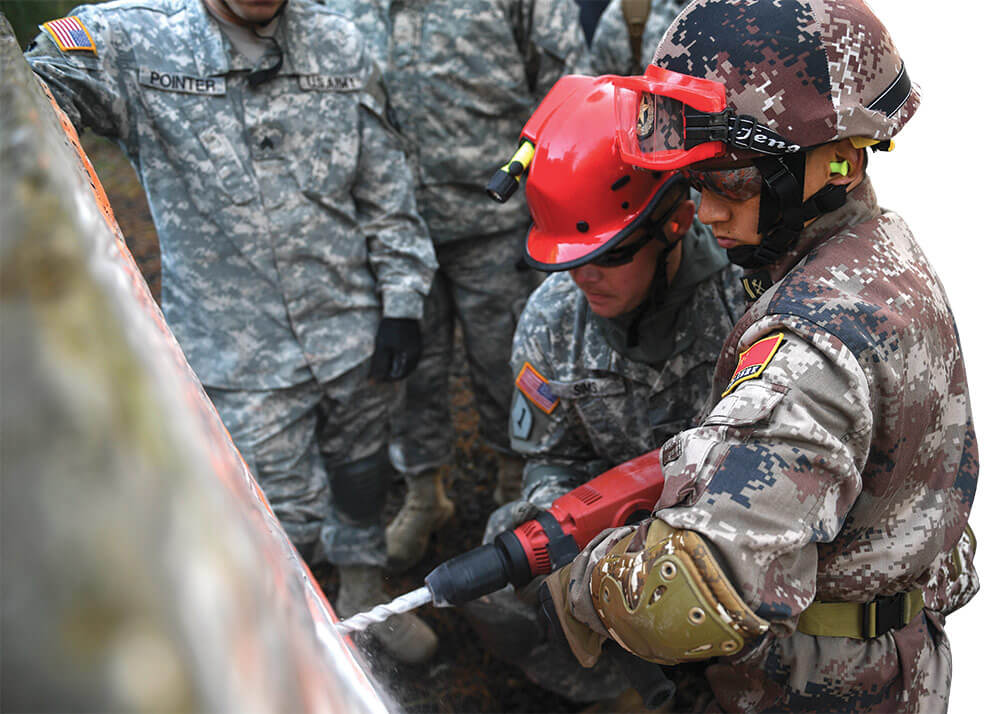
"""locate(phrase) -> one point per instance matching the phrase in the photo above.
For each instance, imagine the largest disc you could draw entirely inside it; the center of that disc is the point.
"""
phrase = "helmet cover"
(812, 71)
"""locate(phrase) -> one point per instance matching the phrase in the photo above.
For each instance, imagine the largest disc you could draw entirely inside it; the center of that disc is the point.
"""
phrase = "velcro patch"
(70, 34)
(753, 362)
(521, 419)
(536, 388)
(174, 82)
(330, 82)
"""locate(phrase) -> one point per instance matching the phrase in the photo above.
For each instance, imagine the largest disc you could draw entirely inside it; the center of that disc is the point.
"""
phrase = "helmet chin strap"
(783, 213)
(660, 284)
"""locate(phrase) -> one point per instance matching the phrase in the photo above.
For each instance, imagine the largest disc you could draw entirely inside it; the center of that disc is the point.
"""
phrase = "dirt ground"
(462, 677)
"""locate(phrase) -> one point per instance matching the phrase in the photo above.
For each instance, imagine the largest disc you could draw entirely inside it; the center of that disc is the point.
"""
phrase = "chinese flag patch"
(536, 388)
(754, 360)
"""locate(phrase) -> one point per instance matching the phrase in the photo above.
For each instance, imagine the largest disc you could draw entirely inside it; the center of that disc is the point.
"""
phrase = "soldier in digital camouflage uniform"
(615, 352)
(295, 264)
(812, 532)
(463, 77)
(611, 51)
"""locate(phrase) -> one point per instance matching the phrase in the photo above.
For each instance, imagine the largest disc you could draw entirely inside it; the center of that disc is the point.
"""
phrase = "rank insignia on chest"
(70, 35)
(754, 361)
(536, 388)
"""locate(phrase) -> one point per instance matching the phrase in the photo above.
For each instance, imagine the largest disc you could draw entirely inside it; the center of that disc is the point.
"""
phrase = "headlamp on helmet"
(584, 199)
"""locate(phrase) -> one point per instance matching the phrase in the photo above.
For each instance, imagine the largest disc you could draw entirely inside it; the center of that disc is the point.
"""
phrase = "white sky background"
(942, 179)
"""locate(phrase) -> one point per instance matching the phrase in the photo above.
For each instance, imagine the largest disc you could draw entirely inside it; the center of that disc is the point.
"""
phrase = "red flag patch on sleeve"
(536, 388)
(753, 362)
(70, 34)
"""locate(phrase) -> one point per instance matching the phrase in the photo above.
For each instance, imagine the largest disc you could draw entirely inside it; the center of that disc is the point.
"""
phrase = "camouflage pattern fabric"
(290, 438)
(479, 286)
(463, 78)
(843, 470)
(285, 212)
(611, 48)
(806, 69)
(610, 409)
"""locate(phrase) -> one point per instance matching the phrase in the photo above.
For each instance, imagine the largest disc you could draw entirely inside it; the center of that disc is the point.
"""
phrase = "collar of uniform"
(665, 327)
(861, 206)
(301, 24)
(210, 54)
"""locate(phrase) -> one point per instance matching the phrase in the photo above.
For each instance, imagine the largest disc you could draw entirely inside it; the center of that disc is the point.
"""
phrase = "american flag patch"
(754, 360)
(536, 388)
(70, 34)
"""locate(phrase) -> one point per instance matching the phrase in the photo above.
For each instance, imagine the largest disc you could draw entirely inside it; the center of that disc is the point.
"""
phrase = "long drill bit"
(381, 613)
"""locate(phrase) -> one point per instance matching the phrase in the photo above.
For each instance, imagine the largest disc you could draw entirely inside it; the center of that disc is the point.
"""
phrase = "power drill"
(622, 495)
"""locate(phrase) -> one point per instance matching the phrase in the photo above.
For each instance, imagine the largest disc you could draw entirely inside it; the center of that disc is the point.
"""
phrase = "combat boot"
(405, 637)
(510, 470)
(425, 510)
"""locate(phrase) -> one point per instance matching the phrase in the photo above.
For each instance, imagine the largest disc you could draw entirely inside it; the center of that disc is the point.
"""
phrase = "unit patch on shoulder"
(536, 388)
(70, 35)
(521, 419)
(753, 362)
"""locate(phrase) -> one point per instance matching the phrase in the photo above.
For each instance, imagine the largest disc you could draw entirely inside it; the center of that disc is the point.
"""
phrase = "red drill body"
(612, 499)
(618, 496)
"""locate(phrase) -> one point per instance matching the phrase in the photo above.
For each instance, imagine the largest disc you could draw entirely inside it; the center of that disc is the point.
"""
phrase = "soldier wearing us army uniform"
(614, 353)
(294, 262)
(463, 77)
(812, 534)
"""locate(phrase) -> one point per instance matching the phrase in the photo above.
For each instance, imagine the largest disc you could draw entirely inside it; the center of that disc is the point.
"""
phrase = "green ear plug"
(840, 167)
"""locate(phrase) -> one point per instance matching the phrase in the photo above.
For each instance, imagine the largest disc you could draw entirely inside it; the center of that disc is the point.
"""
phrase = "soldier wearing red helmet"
(812, 533)
(614, 353)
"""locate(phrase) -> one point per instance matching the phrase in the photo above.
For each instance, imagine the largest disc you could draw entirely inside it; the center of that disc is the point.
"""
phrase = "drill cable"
(381, 613)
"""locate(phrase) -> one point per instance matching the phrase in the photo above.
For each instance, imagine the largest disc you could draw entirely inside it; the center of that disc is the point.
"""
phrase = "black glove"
(397, 349)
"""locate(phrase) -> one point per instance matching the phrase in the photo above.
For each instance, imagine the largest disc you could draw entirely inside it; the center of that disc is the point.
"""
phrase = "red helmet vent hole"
(583, 226)
(620, 183)
(625, 205)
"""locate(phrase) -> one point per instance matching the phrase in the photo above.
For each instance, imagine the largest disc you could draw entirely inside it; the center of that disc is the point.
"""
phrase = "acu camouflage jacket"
(463, 78)
(285, 211)
(609, 408)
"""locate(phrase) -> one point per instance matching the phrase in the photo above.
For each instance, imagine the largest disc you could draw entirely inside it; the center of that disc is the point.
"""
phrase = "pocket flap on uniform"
(230, 172)
(752, 403)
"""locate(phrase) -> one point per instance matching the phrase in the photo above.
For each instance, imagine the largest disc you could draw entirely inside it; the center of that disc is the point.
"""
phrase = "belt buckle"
(882, 614)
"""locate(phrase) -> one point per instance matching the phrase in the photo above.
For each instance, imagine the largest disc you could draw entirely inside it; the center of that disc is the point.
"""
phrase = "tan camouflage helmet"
(807, 72)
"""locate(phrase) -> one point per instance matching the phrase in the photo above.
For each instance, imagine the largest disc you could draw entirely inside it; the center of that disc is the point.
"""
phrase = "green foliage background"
(26, 15)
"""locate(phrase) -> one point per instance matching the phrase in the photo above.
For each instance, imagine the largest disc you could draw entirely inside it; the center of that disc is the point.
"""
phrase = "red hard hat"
(583, 199)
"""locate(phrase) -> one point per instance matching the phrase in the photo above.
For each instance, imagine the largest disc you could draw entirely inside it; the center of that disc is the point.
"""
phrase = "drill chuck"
(479, 572)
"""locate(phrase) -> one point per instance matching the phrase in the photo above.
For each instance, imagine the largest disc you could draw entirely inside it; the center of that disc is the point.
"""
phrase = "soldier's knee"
(359, 487)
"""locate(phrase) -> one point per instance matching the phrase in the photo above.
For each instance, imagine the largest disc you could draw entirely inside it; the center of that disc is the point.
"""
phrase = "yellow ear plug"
(840, 167)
